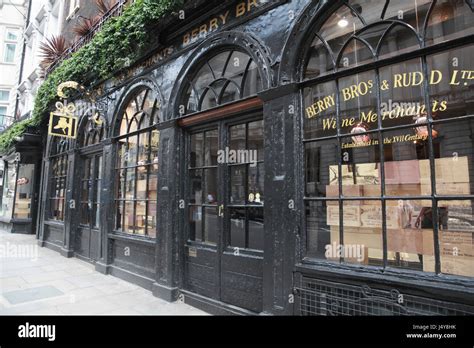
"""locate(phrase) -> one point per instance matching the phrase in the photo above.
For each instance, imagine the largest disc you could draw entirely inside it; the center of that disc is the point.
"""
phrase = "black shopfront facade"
(286, 157)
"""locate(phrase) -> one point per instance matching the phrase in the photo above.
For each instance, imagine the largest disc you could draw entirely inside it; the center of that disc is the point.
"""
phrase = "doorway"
(87, 241)
(224, 230)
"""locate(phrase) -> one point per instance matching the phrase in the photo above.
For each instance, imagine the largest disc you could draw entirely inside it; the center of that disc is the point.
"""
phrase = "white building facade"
(45, 21)
(13, 14)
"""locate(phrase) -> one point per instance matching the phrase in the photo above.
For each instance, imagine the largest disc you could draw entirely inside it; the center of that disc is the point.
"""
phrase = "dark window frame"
(120, 198)
(422, 53)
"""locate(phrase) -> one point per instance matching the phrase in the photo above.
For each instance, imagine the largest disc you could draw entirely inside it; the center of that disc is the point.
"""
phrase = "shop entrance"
(87, 241)
(224, 227)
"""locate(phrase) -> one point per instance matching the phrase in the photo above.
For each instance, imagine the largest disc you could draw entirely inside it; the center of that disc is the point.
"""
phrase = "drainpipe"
(17, 102)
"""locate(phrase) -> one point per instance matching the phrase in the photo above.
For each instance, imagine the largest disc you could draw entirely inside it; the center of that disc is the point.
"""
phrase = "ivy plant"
(121, 41)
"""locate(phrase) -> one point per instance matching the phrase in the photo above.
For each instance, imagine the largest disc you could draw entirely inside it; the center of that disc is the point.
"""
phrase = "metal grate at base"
(318, 297)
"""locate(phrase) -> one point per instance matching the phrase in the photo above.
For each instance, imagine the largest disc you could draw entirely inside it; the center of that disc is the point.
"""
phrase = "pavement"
(39, 281)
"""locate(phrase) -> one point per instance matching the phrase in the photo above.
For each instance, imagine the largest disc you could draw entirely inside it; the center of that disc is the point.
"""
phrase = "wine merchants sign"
(389, 110)
(228, 16)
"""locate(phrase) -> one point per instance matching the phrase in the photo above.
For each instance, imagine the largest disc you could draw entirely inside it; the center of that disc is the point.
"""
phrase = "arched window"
(362, 31)
(388, 129)
(137, 164)
(225, 77)
(58, 162)
(94, 132)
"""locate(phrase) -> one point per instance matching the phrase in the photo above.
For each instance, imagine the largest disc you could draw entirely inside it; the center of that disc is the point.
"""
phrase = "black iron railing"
(115, 11)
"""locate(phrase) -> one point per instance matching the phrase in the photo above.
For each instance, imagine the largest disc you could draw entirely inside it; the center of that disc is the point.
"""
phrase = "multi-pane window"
(9, 50)
(233, 174)
(225, 77)
(94, 132)
(57, 181)
(203, 192)
(246, 194)
(137, 165)
(388, 150)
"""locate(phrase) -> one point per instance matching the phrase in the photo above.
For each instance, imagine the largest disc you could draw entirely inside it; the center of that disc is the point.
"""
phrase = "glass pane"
(196, 159)
(211, 225)
(218, 63)
(24, 191)
(356, 53)
(132, 151)
(85, 214)
(237, 136)
(119, 215)
(358, 100)
(151, 221)
(121, 184)
(370, 10)
(195, 190)
(454, 158)
(96, 215)
(144, 148)
(237, 184)
(9, 55)
(210, 192)
(142, 183)
(451, 83)
(360, 169)
(399, 40)
(256, 234)
(410, 12)
(456, 235)
(152, 193)
(253, 81)
(211, 147)
(448, 20)
(402, 94)
(122, 153)
(236, 68)
(230, 94)
(237, 228)
(9, 189)
(362, 222)
(128, 225)
(130, 184)
(373, 34)
(319, 233)
(321, 169)
(339, 27)
(320, 60)
(407, 166)
(195, 223)
(256, 181)
(211, 96)
(320, 110)
(255, 141)
(141, 218)
(410, 234)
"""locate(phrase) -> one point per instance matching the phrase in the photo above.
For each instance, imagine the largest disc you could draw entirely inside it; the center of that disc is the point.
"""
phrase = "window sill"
(415, 279)
(132, 238)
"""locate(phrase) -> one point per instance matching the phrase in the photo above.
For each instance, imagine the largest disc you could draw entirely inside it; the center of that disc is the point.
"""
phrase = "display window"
(388, 150)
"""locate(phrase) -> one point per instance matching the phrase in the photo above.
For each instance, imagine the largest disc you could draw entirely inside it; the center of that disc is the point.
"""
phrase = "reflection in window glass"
(451, 85)
(456, 235)
(449, 19)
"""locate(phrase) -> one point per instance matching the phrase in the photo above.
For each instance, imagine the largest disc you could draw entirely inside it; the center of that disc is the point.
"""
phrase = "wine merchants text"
(404, 80)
